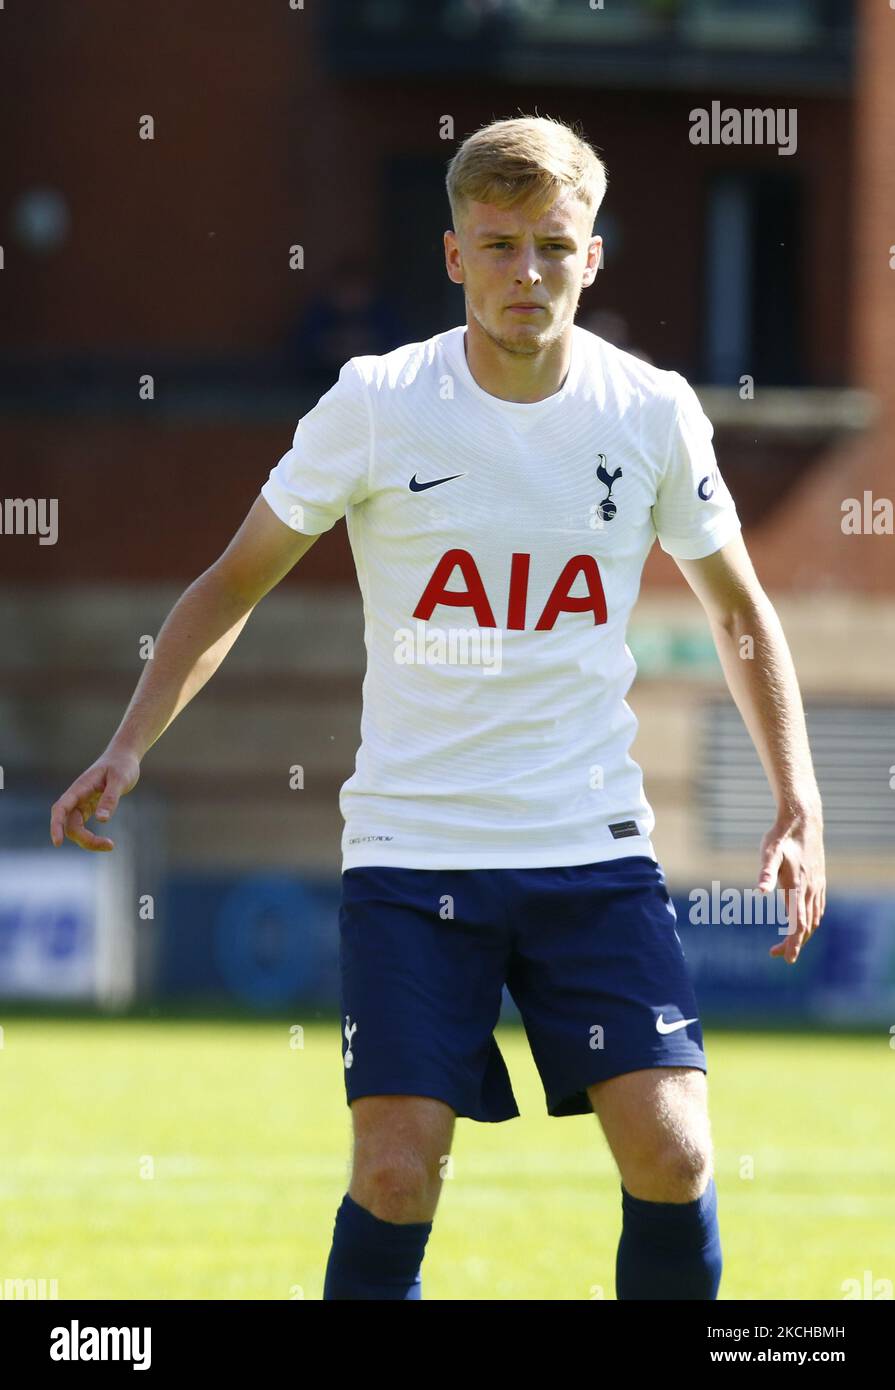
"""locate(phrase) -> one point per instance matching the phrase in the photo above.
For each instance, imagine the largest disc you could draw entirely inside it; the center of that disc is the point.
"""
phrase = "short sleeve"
(694, 513)
(327, 468)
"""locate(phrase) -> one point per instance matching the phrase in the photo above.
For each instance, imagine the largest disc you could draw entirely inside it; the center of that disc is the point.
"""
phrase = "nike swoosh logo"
(663, 1027)
(421, 487)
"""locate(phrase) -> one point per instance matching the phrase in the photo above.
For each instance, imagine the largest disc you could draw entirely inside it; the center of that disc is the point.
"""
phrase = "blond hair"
(527, 161)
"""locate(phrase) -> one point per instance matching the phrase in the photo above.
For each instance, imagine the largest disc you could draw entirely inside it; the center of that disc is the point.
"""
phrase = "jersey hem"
(707, 543)
(281, 503)
(373, 857)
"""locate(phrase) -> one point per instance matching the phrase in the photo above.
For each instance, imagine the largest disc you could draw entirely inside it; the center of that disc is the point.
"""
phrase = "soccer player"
(503, 483)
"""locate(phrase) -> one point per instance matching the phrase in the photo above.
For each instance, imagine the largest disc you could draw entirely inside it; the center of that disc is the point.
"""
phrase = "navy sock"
(372, 1258)
(669, 1250)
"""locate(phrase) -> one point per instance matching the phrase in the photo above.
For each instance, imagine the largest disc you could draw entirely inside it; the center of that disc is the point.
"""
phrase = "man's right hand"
(98, 790)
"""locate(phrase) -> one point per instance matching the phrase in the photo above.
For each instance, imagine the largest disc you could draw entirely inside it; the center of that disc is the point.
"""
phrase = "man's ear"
(599, 257)
(452, 245)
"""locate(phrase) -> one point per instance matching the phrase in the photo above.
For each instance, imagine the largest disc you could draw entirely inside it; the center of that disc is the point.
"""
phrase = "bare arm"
(760, 675)
(205, 622)
(192, 642)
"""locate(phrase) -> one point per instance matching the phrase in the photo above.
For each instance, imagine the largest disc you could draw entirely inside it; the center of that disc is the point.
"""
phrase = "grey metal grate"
(853, 747)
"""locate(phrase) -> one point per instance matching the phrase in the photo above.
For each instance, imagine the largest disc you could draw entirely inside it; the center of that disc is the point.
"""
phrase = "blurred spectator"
(351, 317)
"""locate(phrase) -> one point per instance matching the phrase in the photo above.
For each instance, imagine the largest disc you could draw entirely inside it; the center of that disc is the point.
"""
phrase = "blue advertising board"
(270, 940)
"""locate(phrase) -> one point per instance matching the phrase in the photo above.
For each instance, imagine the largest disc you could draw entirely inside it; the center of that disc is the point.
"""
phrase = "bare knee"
(395, 1186)
(672, 1172)
(657, 1125)
(400, 1143)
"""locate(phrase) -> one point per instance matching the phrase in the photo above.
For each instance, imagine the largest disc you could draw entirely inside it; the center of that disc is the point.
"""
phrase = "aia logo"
(475, 597)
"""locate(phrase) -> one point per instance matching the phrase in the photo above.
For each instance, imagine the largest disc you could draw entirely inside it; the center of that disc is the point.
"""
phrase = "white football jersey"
(499, 547)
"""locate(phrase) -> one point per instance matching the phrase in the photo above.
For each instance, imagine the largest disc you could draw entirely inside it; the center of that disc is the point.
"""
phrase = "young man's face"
(505, 260)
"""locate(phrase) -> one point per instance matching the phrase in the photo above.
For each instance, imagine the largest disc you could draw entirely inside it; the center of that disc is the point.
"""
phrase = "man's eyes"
(550, 245)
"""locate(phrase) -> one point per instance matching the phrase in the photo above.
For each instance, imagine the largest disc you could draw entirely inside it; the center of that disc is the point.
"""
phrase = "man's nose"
(527, 272)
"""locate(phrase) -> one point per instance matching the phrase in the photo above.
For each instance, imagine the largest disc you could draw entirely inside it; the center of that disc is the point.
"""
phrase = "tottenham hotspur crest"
(606, 509)
(349, 1030)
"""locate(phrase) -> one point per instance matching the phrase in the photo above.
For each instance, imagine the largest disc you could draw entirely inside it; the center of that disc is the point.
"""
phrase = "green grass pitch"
(151, 1158)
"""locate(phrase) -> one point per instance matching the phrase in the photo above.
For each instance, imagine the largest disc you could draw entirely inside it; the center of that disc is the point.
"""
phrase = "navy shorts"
(589, 954)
